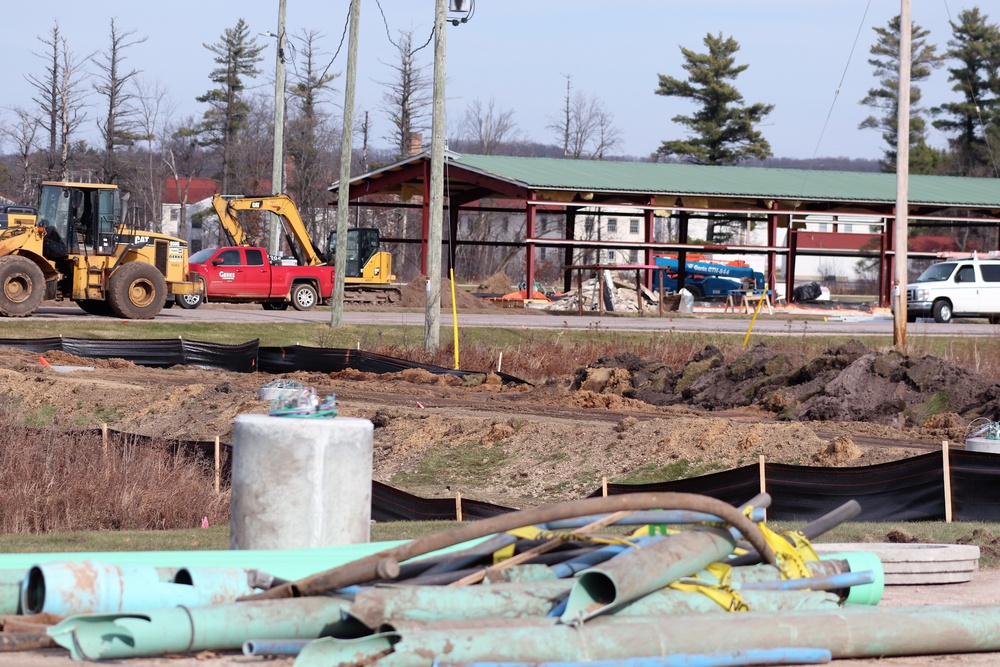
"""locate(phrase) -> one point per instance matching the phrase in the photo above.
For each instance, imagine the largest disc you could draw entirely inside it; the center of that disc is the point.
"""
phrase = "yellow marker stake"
(454, 313)
(753, 319)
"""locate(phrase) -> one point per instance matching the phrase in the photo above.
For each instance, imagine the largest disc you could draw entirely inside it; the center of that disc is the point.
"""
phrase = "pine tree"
(885, 98)
(237, 56)
(723, 131)
(975, 48)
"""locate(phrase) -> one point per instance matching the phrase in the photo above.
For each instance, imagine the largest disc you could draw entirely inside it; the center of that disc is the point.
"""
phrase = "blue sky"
(519, 51)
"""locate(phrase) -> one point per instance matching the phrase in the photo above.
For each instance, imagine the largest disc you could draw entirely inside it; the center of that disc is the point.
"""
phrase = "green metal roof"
(756, 182)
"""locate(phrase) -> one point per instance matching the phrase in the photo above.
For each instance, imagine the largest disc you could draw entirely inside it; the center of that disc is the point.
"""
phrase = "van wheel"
(22, 286)
(942, 311)
(304, 297)
(137, 291)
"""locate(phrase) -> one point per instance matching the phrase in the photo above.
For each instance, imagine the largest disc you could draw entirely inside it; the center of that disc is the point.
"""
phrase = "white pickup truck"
(968, 287)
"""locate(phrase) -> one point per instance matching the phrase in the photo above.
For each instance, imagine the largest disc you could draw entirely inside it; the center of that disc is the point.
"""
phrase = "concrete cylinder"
(991, 445)
(300, 483)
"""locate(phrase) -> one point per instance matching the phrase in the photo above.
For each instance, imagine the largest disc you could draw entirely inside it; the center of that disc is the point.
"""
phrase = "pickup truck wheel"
(188, 301)
(942, 311)
(304, 297)
(274, 305)
(22, 286)
(137, 291)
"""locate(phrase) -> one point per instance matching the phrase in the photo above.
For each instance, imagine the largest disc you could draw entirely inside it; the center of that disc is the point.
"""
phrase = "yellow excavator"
(368, 274)
(76, 246)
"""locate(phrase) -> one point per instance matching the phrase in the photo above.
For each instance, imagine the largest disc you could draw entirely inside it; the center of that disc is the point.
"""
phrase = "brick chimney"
(416, 144)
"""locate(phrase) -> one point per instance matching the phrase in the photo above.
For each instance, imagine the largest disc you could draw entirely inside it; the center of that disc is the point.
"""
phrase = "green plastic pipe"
(857, 632)
(182, 629)
(633, 574)
(283, 563)
(10, 590)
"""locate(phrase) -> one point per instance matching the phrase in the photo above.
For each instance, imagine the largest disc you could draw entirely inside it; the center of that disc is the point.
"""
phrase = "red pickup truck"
(244, 274)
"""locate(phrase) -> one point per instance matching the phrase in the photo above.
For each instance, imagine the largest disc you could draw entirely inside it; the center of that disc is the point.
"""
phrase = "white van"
(967, 287)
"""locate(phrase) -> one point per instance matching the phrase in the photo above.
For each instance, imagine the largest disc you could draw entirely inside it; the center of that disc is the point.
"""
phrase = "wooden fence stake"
(218, 466)
(458, 506)
(946, 468)
(604, 487)
(763, 482)
(104, 438)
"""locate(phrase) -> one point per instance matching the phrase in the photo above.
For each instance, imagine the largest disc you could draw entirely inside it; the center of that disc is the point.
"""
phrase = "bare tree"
(585, 126)
(181, 157)
(22, 134)
(407, 98)
(487, 127)
(118, 127)
(310, 132)
(60, 100)
(152, 111)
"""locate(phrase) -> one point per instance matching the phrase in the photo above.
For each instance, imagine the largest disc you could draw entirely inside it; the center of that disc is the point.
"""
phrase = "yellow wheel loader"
(76, 247)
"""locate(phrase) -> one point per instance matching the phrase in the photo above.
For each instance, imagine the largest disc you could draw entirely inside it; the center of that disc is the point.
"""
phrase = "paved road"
(778, 324)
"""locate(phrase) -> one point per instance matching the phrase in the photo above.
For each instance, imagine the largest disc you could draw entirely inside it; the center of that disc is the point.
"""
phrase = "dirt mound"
(414, 295)
(498, 283)
(847, 382)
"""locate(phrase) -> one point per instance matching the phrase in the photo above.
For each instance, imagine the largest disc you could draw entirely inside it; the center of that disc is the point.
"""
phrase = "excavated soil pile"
(498, 283)
(414, 295)
(846, 383)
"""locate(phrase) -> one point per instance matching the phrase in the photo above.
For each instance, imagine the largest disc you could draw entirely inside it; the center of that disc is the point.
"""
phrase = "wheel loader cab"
(83, 219)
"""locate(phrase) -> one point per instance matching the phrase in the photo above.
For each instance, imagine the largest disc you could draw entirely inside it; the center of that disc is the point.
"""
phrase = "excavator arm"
(226, 207)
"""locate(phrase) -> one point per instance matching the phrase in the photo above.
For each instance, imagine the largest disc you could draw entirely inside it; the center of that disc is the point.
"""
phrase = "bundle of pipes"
(378, 606)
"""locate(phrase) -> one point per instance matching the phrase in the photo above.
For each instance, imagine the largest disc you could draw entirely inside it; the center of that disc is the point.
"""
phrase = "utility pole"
(344, 189)
(432, 332)
(278, 157)
(901, 229)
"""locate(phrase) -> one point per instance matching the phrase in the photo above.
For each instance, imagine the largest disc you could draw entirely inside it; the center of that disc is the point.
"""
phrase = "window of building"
(588, 225)
(612, 225)
(633, 256)
(541, 253)
(633, 226)
(175, 215)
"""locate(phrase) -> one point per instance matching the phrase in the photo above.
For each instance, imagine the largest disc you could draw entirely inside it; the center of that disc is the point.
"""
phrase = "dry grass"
(53, 481)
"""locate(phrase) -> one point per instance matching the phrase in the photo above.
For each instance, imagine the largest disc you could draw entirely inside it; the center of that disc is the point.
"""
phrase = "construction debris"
(619, 296)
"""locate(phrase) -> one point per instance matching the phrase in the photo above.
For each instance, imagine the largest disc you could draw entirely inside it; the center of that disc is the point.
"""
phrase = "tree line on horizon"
(143, 142)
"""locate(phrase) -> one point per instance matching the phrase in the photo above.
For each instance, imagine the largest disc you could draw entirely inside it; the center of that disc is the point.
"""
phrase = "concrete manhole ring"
(916, 563)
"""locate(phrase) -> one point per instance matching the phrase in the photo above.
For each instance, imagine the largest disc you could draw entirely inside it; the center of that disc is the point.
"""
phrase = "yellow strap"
(726, 597)
(802, 544)
(790, 561)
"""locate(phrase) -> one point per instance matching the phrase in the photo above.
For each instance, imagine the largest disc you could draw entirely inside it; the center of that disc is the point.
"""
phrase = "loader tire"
(304, 297)
(137, 291)
(22, 286)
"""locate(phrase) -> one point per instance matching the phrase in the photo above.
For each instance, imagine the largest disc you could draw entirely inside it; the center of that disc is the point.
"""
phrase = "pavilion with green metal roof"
(781, 198)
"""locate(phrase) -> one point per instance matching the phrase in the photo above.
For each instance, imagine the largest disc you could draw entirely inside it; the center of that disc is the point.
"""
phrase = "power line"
(843, 76)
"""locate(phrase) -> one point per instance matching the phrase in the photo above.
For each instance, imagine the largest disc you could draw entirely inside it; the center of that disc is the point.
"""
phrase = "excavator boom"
(226, 207)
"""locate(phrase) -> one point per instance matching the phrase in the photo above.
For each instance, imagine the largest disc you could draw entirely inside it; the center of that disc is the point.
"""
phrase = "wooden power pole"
(432, 330)
(278, 156)
(901, 230)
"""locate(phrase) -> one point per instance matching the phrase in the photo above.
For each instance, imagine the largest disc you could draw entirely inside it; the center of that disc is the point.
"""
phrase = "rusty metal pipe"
(25, 641)
(811, 530)
(365, 569)
(857, 632)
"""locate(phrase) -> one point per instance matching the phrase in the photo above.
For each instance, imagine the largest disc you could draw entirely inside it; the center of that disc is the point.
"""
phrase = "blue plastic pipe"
(654, 517)
(832, 582)
(273, 647)
(778, 656)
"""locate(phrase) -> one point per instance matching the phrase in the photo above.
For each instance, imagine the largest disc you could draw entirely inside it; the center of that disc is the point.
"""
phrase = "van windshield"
(937, 273)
